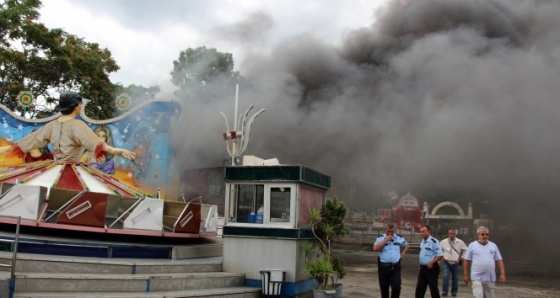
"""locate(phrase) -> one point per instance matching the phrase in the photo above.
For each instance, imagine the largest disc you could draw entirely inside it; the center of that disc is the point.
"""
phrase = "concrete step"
(54, 268)
(197, 251)
(73, 282)
(64, 264)
(165, 249)
(230, 292)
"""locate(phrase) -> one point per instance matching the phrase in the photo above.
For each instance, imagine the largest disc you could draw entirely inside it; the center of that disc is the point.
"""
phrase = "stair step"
(191, 248)
(229, 292)
(73, 282)
(192, 269)
(197, 251)
(55, 264)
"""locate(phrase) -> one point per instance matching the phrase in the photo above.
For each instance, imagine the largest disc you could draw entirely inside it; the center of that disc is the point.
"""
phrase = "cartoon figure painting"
(143, 132)
(66, 134)
(106, 163)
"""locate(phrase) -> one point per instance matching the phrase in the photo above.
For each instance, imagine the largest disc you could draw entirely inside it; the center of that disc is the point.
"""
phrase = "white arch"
(451, 204)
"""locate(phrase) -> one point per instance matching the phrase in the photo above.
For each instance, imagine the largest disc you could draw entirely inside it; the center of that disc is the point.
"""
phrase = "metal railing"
(14, 249)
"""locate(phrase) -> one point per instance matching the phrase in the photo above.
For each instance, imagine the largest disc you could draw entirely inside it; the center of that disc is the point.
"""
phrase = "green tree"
(200, 72)
(138, 93)
(327, 225)
(42, 61)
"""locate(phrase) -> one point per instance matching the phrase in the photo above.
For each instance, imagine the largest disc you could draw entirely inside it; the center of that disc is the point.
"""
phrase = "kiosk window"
(249, 198)
(280, 204)
(277, 201)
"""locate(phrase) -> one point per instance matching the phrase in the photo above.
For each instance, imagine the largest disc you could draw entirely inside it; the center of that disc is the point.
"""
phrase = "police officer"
(389, 261)
(430, 255)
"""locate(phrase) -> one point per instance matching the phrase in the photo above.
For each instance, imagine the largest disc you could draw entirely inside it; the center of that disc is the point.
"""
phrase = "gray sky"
(145, 36)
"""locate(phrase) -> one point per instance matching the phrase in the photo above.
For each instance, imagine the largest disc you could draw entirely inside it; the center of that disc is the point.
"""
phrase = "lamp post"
(237, 138)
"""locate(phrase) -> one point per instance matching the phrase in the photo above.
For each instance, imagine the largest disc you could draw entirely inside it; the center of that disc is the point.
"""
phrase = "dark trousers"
(390, 275)
(428, 277)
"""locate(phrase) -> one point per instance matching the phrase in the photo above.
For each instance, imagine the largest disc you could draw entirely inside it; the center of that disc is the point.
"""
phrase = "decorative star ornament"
(124, 102)
(25, 99)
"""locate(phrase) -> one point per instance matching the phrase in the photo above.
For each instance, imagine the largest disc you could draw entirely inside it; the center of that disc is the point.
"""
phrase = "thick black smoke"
(449, 99)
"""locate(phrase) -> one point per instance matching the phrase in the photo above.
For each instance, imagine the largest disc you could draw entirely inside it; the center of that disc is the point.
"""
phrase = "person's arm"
(379, 246)
(466, 268)
(439, 253)
(5, 149)
(405, 250)
(462, 250)
(35, 153)
(12, 150)
(500, 264)
(119, 151)
(434, 261)
(461, 253)
(89, 140)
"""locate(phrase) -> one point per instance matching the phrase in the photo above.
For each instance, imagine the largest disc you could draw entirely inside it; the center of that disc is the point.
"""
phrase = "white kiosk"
(286, 194)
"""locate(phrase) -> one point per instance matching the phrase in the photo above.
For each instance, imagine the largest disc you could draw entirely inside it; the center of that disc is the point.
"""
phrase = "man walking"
(430, 255)
(453, 250)
(389, 261)
(483, 255)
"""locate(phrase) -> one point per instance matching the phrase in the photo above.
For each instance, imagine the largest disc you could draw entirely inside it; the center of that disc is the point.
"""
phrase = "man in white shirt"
(453, 250)
(484, 255)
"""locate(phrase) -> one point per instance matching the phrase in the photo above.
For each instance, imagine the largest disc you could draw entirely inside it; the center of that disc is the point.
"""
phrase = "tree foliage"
(137, 92)
(333, 214)
(327, 224)
(43, 61)
(201, 71)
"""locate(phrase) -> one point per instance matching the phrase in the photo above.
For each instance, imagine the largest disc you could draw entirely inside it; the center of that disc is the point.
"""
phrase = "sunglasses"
(484, 234)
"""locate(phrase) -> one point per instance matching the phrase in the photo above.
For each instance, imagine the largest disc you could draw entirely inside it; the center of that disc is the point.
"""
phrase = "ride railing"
(14, 249)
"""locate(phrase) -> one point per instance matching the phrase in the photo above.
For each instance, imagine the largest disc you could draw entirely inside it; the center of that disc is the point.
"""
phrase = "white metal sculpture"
(237, 139)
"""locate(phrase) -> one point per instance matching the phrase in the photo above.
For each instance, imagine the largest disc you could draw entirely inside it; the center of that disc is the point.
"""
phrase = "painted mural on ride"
(144, 129)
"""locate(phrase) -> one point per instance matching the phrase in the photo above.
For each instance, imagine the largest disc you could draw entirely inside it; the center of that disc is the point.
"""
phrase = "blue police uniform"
(391, 252)
(389, 265)
(429, 249)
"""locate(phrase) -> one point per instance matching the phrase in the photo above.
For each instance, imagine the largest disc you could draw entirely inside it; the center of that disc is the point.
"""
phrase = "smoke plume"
(450, 100)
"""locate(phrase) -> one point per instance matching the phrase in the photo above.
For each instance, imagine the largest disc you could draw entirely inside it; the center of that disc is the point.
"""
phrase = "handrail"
(15, 242)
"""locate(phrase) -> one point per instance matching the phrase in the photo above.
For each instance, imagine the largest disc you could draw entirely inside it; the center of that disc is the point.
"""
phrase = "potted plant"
(327, 225)
(320, 268)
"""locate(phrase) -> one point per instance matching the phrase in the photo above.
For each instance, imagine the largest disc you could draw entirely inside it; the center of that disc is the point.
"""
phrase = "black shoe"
(444, 295)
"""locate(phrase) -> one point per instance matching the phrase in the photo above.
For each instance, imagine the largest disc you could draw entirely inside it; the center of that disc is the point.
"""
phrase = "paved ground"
(361, 280)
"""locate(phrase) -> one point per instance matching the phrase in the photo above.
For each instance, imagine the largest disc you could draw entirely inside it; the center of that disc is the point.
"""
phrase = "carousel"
(113, 196)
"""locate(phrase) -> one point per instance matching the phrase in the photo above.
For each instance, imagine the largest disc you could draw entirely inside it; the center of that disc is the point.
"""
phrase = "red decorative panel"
(189, 221)
(87, 210)
(69, 179)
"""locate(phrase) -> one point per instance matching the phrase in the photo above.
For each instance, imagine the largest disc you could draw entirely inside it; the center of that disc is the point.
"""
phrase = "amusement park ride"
(119, 198)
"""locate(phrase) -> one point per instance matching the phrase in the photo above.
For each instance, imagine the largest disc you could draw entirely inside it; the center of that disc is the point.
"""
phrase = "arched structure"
(434, 215)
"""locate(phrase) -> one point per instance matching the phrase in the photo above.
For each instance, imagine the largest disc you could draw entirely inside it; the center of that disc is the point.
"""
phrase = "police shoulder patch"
(434, 240)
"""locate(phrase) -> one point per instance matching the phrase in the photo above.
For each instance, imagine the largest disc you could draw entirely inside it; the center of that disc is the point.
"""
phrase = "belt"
(382, 264)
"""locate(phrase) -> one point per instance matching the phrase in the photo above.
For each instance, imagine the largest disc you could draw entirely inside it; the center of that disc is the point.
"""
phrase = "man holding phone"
(389, 261)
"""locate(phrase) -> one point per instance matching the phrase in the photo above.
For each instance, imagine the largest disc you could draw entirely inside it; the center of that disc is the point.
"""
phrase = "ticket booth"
(267, 222)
